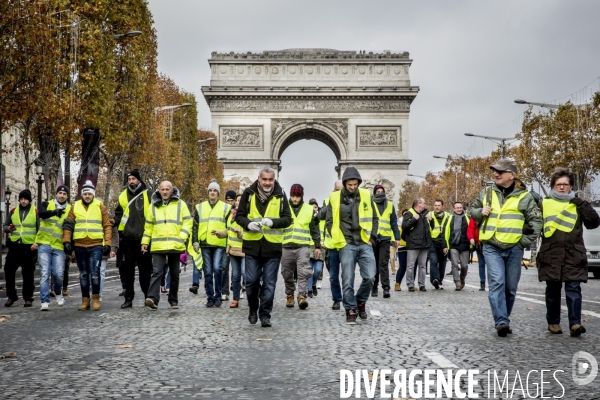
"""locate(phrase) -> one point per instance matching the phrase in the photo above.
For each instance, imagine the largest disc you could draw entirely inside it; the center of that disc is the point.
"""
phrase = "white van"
(591, 239)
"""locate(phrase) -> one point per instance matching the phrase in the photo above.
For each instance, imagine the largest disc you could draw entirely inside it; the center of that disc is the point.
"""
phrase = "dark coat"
(562, 257)
(417, 231)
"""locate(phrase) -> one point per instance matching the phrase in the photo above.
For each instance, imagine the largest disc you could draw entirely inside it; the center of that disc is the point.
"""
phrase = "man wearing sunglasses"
(509, 221)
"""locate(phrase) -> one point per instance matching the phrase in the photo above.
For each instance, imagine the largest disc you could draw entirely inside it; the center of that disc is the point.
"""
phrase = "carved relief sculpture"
(244, 137)
(379, 137)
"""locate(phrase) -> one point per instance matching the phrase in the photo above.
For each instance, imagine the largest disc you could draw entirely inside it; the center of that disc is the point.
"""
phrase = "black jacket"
(134, 229)
(416, 231)
(262, 247)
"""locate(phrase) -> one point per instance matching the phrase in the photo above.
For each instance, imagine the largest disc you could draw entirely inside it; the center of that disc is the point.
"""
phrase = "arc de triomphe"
(357, 103)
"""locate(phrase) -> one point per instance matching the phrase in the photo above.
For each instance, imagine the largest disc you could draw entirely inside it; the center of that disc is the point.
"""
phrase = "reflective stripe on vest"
(232, 237)
(126, 205)
(167, 226)
(272, 211)
(51, 229)
(196, 257)
(26, 229)
(327, 241)
(561, 215)
(212, 218)
(504, 223)
(385, 227)
(88, 222)
(365, 217)
(436, 231)
(299, 231)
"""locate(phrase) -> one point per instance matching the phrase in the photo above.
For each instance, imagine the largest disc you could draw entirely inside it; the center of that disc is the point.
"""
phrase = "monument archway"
(355, 102)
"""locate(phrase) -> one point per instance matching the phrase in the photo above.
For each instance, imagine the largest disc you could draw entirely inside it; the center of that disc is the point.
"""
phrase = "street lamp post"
(39, 170)
(494, 139)
(127, 34)
(545, 105)
(456, 178)
(7, 194)
(170, 110)
(417, 176)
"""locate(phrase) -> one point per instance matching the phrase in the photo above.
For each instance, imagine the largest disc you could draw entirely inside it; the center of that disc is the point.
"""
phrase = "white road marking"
(583, 312)
(440, 360)
(376, 313)
(535, 294)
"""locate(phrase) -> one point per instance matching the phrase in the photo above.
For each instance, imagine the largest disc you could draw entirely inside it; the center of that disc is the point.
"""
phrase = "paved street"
(215, 353)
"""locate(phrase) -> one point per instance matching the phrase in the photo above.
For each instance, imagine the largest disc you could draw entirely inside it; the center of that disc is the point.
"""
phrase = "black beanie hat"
(378, 187)
(231, 194)
(25, 194)
(136, 173)
(62, 188)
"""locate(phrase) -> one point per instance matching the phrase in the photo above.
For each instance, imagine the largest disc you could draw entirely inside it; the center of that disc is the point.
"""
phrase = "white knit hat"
(214, 185)
(88, 187)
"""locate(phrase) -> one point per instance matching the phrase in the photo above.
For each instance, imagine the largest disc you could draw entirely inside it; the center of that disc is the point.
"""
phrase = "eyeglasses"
(562, 185)
(495, 171)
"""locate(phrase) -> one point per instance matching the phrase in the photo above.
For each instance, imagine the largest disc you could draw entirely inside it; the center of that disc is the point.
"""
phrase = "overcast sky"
(471, 60)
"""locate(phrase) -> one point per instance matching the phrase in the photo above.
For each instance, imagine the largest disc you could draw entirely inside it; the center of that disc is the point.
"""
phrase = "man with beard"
(130, 219)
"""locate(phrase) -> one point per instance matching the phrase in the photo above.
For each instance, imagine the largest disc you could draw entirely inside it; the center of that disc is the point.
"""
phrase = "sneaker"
(174, 305)
(265, 322)
(253, 317)
(45, 307)
(210, 303)
(555, 329)
(335, 306)
(315, 291)
(319, 285)
(224, 297)
(194, 289)
(436, 284)
(386, 293)
(60, 300)
(482, 287)
(374, 292)
(242, 295)
(362, 310)
(422, 289)
(351, 317)
(150, 303)
(576, 330)
(502, 330)
(310, 294)
(218, 302)
(397, 287)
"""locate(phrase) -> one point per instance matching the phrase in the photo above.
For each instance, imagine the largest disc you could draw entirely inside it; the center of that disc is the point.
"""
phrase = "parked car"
(591, 237)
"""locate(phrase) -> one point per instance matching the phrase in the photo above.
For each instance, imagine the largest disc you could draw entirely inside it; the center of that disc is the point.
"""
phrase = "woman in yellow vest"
(21, 224)
(562, 255)
(236, 255)
(88, 223)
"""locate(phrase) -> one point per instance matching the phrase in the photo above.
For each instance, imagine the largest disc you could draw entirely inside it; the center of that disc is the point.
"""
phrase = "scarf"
(379, 198)
(133, 190)
(561, 196)
(263, 196)
(60, 206)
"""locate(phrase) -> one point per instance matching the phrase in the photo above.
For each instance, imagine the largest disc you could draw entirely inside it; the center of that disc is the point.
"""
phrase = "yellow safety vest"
(125, 205)
(167, 227)
(273, 211)
(232, 238)
(436, 231)
(504, 223)
(299, 231)
(26, 229)
(365, 218)
(561, 215)
(385, 227)
(447, 231)
(88, 223)
(51, 229)
(196, 257)
(212, 218)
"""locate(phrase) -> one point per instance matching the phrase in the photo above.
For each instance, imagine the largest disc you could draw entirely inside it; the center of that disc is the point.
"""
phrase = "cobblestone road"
(215, 353)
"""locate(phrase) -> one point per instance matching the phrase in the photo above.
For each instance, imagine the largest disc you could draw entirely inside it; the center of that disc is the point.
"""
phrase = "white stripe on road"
(440, 360)
(583, 312)
(535, 294)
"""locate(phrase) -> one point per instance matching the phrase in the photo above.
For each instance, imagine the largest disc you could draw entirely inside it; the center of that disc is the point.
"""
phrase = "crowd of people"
(261, 231)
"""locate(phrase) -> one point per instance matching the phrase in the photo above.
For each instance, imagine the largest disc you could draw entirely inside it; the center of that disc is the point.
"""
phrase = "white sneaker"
(60, 300)
(241, 295)
(45, 307)
(318, 284)
(224, 297)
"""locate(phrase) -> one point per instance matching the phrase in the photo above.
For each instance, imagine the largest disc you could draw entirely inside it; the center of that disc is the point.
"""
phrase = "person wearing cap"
(437, 257)
(230, 197)
(510, 220)
(387, 231)
(353, 225)
(297, 239)
(166, 232)
(562, 255)
(209, 235)
(263, 213)
(49, 245)
(130, 219)
(22, 225)
(88, 223)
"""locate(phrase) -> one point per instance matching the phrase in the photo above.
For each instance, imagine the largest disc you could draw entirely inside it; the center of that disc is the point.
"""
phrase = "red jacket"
(473, 230)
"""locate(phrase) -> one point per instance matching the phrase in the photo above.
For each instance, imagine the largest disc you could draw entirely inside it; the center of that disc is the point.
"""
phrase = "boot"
(85, 304)
(386, 293)
(482, 287)
(302, 303)
(95, 302)
(374, 292)
(576, 330)
(555, 328)
(290, 301)
(397, 287)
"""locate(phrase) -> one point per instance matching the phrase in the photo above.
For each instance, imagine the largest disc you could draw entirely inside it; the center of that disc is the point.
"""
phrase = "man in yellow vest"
(353, 226)
(168, 227)
(230, 199)
(437, 257)
(457, 243)
(297, 239)
(510, 221)
(130, 220)
(22, 225)
(88, 223)
(264, 213)
(49, 244)
(209, 235)
(388, 231)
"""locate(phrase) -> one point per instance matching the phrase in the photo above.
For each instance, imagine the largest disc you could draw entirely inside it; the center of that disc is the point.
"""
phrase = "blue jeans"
(88, 262)
(102, 273)
(196, 276)
(317, 266)
(213, 274)
(364, 256)
(481, 261)
(504, 272)
(237, 272)
(166, 278)
(51, 261)
(261, 280)
(333, 258)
